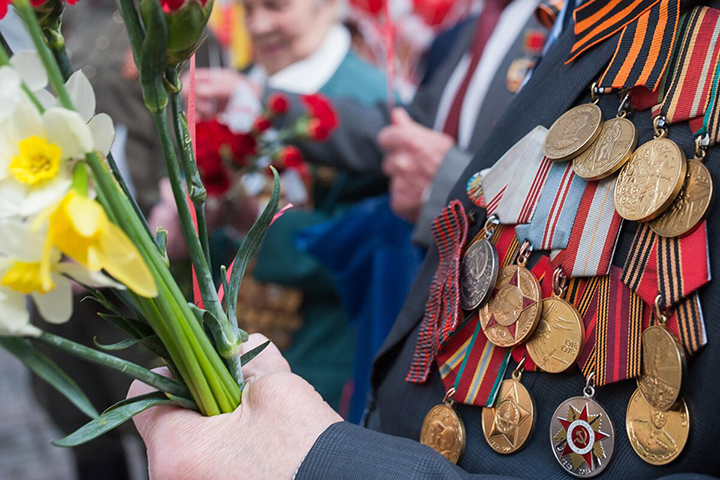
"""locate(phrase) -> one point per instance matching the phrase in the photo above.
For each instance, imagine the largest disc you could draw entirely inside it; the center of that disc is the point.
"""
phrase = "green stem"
(133, 370)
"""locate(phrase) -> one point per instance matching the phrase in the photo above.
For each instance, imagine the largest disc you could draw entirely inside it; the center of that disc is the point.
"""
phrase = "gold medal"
(657, 437)
(513, 311)
(612, 149)
(443, 429)
(651, 180)
(663, 365)
(507, 426)
(690, 206)
(559, 337)
(573, 132)
(582, 435)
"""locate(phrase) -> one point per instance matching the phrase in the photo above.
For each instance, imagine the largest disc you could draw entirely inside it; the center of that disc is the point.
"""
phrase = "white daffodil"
(35, 154)
(25, 66)
(82, 96)
(25, 271)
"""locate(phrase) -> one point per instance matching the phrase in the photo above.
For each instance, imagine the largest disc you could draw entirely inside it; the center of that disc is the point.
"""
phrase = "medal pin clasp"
(589, 390)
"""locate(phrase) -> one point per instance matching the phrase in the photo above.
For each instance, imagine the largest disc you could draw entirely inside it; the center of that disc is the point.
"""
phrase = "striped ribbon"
(513, 185)
(597, 20)
(594, 235)
(675, 268)
(468, 361)
(686, 323)
(443, 306)
(555, 214)
(711, 119)
(644, 49)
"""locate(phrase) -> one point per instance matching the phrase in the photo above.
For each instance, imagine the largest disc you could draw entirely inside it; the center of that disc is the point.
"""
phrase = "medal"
(559, 337)
(479, 270)
(508, 424)
(657, 437)
(474, 190)
(513, 311)
(651, 180)
(663, 365)
(443, 429)
(690, 206)
(582, 435)
(574, 131)
(609, 152)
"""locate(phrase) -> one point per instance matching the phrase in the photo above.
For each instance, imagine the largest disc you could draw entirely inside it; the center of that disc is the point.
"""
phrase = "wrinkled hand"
(266, 437)
(213, 89)
(413, 155)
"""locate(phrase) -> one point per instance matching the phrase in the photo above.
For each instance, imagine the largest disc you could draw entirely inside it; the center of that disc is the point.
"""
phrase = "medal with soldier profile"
(573, 132)
(690, 206)
(507, 426)
(612, 149)
(663, 366)
(513, 311)
(443, 430)
(478, 274)
(650, 181)
(559, 337)
(582, 437)
(657, 437)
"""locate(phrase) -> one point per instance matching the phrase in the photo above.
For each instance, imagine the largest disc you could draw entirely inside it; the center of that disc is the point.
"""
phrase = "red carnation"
(244, 146)
(323, 119)
(290, 157)
(35, 3)
(170, 6)
(278, 103)
(261, 124)
(212, 136)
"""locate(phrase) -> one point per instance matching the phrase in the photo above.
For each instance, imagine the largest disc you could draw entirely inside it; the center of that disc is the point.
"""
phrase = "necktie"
(485, 26)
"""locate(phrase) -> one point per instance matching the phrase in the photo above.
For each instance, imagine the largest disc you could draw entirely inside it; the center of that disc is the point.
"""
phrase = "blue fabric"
(369, 252)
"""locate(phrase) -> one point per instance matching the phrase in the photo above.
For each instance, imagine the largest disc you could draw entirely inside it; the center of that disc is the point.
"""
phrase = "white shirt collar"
(308, 75)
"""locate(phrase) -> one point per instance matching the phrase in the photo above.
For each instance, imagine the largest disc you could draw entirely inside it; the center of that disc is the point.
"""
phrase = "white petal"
(14, 316)
(82, 95)
(68, 129)
(10, 92)
(21, 242)
(45, 195)
(103, 132)
(30, 67)
(87, 277)
(56, 306)
(45, 98)
(25, 123)
(12, 194)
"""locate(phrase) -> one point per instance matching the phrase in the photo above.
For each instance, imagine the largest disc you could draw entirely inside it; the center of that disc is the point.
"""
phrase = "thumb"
(399, 116)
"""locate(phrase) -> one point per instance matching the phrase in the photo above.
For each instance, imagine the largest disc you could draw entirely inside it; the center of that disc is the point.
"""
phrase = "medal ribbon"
(711, 120)
(644, 49)
(555, 215)
(675, 268)
(513, 185)
(594, 235)
(468, 361)
(597, 20)
(443, 305)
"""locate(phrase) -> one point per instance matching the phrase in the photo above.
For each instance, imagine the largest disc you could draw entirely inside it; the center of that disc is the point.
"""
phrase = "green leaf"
(112, 418)
(253, 353)
(154, 58)
(46, 369)
(249, 247)
(121, 345)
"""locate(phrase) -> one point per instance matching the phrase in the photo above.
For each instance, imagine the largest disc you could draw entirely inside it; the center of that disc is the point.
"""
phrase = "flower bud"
(261, 124)
(278, 104)
(186, 20)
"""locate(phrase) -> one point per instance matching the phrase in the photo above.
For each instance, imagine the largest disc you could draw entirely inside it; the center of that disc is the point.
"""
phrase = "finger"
(400, 117)
(393, 138)
(270, 360)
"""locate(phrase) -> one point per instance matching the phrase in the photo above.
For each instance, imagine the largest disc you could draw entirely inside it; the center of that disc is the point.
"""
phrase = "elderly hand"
(413, 155)
(213, 89)
(266, 437)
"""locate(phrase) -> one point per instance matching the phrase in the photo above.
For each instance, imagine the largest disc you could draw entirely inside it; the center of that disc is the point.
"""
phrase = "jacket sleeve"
(347, 452)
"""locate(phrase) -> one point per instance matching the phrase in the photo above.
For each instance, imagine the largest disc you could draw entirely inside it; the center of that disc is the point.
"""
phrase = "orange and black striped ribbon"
(597, 20)
(644, 49)
(686, 323)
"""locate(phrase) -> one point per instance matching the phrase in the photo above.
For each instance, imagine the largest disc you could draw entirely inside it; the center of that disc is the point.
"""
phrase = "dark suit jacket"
(389, 448)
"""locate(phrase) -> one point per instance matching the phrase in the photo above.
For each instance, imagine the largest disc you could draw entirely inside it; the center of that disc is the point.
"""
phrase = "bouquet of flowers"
(66, 216)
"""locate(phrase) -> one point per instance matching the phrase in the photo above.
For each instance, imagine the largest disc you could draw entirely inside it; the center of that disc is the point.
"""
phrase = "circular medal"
(513, 311)
(474, 190)
(559, 337)
(663, 366)
(650, 181)
(582, 437)
(690, 206)
(573, 132)
(444, 432)
(478, 274)
(508, 425)
(657, 437)
(612, 149)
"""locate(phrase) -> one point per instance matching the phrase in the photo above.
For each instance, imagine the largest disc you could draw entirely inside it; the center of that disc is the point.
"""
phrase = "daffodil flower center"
(37, 161)
(25, 277)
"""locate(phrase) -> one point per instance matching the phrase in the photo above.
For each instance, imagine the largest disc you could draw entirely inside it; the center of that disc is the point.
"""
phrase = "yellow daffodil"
(28, 268)
(80, 228)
